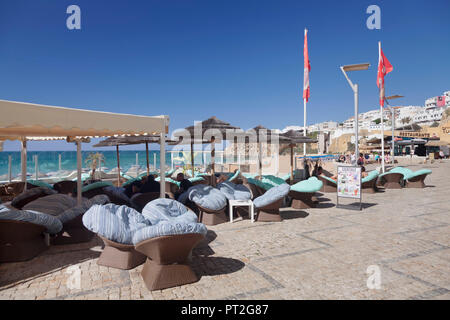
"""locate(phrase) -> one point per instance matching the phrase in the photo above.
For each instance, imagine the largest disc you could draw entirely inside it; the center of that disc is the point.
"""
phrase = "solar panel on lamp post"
(345, 69)
(392, 122)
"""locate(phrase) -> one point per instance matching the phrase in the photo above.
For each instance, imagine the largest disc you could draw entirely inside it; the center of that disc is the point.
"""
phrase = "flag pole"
(304, 126)
(381, 116)
(304, 99)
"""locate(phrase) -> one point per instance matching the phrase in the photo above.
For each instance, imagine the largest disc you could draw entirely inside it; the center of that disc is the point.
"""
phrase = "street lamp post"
(355, 67)
(392, 122)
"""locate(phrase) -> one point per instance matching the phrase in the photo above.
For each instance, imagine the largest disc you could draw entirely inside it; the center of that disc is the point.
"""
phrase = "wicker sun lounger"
(412, 179)
(302, 193)
(391, 180)
(417, 179)
(329, 185)
(369, 183)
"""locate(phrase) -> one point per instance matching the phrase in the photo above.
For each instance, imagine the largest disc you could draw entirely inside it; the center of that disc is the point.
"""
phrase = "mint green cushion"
(96, 185)
(170, 172)
(38, 183)
(169, 180)
(273, 180)
(131, 181)
(196, 179)
(235, 175)
(372, 175)
(261, 184)
(329, 179)
(311, 185)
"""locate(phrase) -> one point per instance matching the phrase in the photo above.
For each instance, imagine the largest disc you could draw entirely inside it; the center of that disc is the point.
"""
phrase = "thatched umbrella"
(213, 128)
(295, 137)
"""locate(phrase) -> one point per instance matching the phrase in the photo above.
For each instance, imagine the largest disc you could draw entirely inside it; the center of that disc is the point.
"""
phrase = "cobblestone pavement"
(320, 253)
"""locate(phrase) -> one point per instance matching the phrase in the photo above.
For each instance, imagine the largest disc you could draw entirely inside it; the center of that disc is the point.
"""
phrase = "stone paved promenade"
(320, 253)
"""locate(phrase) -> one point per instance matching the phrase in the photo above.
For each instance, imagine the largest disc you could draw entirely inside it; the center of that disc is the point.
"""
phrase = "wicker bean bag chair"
(257, 187)
(65, 187)
(116, 225)
(328, 184)
(94, 189)
(168, 243)
(302, 193)
(22, 233)
(268, 205)
(69, 213)
(30, 195)
(211, 204)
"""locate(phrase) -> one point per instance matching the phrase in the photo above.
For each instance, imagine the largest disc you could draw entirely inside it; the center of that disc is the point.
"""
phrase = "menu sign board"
(349, 182)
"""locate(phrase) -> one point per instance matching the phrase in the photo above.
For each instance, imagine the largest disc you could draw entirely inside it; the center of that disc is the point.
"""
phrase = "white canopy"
(27, 121)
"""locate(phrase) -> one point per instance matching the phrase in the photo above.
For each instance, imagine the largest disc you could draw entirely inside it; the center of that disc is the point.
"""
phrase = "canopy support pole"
(213, 166)
(79, 160)
(162, 165)
(291, 178)
(148, 162)
(118, 166)
(260, 160)
(192, 158)
(24, 163)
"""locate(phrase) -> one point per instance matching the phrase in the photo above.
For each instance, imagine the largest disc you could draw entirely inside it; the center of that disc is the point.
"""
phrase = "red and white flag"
(306, 69)
(384, 67)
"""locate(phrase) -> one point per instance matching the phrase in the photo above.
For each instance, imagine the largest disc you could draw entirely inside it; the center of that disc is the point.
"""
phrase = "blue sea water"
(48, 160)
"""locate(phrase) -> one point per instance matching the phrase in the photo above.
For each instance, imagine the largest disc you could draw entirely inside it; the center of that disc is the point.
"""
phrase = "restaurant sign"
(410, 134)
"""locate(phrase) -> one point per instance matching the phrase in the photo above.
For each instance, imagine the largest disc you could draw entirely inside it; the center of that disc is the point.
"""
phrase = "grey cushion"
(54, 204)
(272, 195)
(30, 195)
(207, 197)
(116, 223)
(52, 224)
(74, 212)
(234, 191)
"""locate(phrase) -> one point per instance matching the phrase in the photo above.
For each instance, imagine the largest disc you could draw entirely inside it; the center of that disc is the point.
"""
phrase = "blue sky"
(239, 60)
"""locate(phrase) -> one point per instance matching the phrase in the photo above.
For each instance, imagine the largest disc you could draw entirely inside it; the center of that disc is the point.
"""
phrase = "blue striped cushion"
(162, 209)
(234, 191)
(207, 197)
(167, 228)
(116, 223)
(52, 224)
(272, 195)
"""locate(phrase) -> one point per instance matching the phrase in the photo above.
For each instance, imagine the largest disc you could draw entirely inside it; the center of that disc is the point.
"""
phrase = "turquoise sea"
(48, 160)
